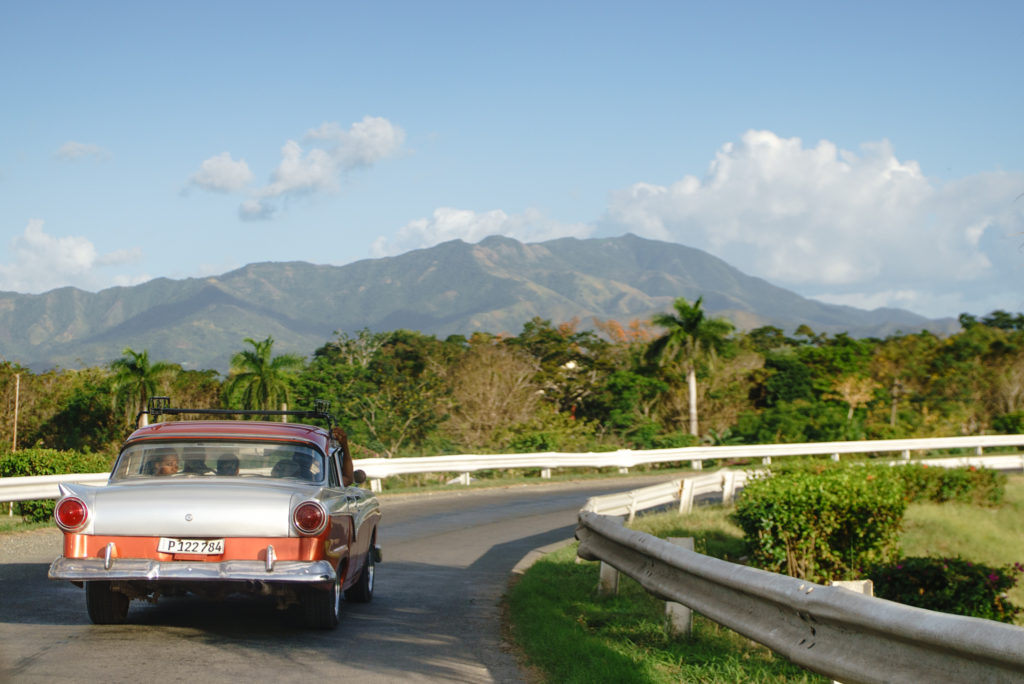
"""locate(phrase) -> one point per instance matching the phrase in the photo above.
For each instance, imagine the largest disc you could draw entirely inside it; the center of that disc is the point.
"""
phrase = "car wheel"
(362, 590)
(322, 608)
(105, 606)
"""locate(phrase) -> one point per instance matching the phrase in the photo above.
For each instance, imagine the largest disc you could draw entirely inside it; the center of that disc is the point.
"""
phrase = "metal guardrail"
(376, 469)
(830, 630)
(44, 486)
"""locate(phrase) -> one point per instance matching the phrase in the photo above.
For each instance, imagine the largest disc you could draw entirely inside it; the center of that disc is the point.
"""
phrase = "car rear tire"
(322, 608)
(105, 606)
(362, 590)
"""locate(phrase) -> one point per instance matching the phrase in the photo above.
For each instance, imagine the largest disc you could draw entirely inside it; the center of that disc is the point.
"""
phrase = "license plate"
(198, 546)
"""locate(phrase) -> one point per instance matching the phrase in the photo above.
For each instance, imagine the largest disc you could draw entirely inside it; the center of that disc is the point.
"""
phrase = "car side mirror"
(358, 477)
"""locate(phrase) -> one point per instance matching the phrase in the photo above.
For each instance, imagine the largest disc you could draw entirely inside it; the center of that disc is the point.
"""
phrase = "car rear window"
(184, 459)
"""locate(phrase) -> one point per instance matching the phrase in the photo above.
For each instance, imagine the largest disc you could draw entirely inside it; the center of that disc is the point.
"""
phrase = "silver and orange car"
(219, 507)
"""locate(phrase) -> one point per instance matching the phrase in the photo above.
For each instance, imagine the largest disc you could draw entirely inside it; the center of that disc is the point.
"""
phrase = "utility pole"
(17, 394)
(14, 439)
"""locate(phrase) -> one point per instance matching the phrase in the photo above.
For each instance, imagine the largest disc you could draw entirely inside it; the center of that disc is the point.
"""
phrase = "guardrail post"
(608, 576)
(835, 457)
(686, 496)
(978, 450)
(866, 587)
(607, 580)
(375, 486)
(680, 618)
(545, 473)
(623, 471)
(766, 460)
(464, 479)
(728, 486)
(905, 454)
(632, 506)
(697, 464)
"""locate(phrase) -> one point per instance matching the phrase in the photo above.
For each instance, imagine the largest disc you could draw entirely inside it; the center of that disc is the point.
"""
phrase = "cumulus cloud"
(865, 227)
(42, 262)
(451, 224)
(332, 152)
(71, 151)
(222, 174)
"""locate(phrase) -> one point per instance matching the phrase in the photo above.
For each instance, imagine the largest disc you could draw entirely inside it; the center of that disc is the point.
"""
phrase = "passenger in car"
(166, 464)
(195, 462)
(227, 464)
(303, 465)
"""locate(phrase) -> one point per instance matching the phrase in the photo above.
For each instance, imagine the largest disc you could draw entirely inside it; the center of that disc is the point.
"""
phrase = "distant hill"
(455, 287)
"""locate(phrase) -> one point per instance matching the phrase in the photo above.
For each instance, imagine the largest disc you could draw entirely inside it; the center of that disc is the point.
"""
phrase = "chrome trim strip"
(85, 569)
(271, 557)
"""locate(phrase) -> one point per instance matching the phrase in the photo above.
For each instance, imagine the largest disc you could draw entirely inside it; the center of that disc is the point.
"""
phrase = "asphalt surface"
(435, 615)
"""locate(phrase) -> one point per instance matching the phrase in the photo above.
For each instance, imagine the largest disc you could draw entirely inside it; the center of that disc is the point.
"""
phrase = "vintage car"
(219, 507)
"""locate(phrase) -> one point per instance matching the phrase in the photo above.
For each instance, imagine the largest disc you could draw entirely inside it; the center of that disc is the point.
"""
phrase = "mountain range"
(496, 286)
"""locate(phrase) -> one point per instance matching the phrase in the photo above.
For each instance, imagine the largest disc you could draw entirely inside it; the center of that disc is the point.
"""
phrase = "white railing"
(831, 630)
(44, 486)
(376, 469)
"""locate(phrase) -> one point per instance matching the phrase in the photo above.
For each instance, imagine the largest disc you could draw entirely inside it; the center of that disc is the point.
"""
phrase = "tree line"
(681, 379)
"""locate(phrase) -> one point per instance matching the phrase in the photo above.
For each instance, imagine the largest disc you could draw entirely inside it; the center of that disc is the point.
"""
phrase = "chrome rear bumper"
(86, 569)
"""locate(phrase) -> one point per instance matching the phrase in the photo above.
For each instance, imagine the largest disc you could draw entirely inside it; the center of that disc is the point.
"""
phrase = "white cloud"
(42, 262)
(299, 173)
(255, 210)
(451, 224)
(364, 143)
(222, 174)
(333, 152)
(72, 150)
(841, 224)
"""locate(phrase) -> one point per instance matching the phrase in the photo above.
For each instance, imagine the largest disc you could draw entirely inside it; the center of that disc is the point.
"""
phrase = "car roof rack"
(161, 406)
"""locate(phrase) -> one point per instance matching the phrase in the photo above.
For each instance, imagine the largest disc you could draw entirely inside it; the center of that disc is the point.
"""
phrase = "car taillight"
(309, 518)
(70, 514)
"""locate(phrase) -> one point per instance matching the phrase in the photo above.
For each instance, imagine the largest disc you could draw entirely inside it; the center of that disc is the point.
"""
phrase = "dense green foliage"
(978, 486)
(950, 585)
(48, 462)
(557, 387)
(825, 521)
(822, 522)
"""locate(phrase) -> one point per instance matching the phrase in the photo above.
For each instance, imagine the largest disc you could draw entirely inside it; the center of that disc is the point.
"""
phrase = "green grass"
(12, 524)
(574, 635)
(555, 609)
(993, 536)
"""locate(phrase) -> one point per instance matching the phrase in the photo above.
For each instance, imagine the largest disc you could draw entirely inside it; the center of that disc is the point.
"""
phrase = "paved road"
(434, 616)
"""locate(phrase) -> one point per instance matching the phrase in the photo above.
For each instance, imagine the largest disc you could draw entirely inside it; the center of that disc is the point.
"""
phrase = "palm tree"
(257, 379)
(691, 337)
(136, 379)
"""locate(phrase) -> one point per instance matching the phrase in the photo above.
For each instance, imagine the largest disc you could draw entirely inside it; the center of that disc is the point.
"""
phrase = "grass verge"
(573, 635)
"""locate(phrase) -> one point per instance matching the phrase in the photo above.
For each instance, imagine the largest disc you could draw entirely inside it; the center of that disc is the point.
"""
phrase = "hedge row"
(823, 522)
(48, 462)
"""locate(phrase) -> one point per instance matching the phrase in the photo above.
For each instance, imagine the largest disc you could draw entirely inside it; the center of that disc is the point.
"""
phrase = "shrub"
(822, 522)
(949, 585)
(977, 486)
(48, 462)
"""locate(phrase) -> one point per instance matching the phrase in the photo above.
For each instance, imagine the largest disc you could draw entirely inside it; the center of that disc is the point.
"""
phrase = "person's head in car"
(195, 461)
(303, 461)
(227, 464)
(165, 463)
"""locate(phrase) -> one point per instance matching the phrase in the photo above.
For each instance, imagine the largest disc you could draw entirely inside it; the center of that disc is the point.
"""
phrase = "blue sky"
(862, 153)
